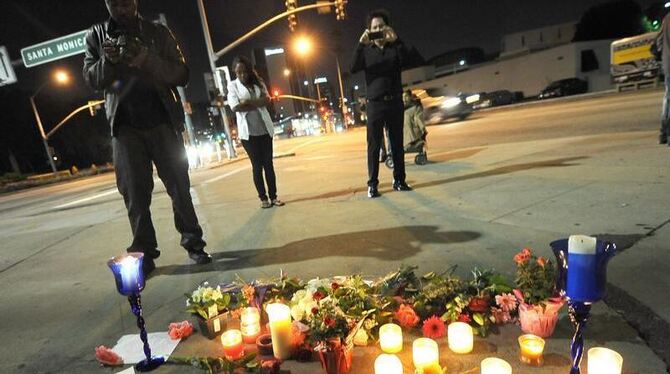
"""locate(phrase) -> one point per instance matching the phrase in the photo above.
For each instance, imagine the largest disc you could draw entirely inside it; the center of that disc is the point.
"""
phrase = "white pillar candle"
(604, 361)
(280, 329)
(425, 353)
(388, 364)
(250, 324)
(582, 244)
(461, 339)
(494, 365)
(390, 338)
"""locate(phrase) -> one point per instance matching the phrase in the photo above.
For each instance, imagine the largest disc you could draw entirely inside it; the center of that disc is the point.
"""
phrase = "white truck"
(631, 59)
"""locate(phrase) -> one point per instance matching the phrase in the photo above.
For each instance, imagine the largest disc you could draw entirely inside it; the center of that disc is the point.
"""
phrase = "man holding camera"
(381, 55)
(138, 65)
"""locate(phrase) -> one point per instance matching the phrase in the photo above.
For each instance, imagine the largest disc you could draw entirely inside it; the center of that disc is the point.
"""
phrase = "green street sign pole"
(54, 49)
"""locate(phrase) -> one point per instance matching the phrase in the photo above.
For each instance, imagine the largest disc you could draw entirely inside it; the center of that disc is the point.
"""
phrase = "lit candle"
(604, 361)
(425, 353)
(250, 324)
(390, 338)
(280, 329)
(494, 365)
(532, 347)
(461, 339)
(233, 348)
(388, 364)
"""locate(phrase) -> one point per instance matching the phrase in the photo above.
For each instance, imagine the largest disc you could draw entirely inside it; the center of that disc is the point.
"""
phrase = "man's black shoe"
(401, 186)
(148, 266)
(373, 192)
(200, 257)
(662, 139)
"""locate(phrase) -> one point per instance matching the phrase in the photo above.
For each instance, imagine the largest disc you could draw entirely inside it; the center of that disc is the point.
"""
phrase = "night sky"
(432, 26)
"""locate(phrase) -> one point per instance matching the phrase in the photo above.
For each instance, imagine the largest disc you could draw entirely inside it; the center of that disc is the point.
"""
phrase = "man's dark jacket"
(165, 62)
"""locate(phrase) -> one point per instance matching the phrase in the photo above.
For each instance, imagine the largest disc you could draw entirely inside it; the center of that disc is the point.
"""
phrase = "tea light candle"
(250, 324)
(494, 365)
(604, 361)
(390, 338)
(532, 347)
(425, 353)
(280, 329)
(461, 338)
(388, 364)
(233, 348)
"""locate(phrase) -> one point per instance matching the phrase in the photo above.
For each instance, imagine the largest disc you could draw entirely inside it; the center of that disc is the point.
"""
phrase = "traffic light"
(292, 19)
(275, 94)
(339, 10)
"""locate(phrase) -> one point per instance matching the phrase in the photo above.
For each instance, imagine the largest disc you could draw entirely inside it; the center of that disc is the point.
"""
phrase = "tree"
(612, 20)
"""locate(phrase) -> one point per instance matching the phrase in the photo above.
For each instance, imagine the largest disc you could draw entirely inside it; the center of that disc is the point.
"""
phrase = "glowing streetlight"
(287, 72)
(302, 45)
(61, 77)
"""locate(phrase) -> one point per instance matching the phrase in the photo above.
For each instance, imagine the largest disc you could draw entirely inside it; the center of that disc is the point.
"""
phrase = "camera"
(376, 35)
(129, 47)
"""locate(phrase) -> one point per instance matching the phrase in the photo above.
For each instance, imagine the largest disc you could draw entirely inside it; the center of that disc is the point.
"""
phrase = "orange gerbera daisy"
(434, 328)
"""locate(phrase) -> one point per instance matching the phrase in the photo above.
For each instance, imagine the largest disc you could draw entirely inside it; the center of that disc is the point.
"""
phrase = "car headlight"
(472, 99)
(452, 102)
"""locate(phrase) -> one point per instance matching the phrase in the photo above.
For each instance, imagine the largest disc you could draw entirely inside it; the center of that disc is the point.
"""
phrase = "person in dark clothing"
(138, 65)
(381, 59)
(248, 97)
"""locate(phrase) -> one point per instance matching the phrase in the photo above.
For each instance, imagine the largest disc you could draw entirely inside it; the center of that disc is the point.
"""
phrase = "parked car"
(496, 98)
(565, 87)
(439, 108)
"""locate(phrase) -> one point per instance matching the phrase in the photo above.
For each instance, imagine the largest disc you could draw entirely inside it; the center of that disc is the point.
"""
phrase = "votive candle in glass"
(425, 353)
(460, 336)
(250, 324)
(494, 365)
(604, 361)
(388, 364)
(531, 347)
(390, 338)
(233, 348)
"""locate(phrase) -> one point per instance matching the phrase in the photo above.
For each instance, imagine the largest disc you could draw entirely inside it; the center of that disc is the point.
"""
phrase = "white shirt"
(238, 92)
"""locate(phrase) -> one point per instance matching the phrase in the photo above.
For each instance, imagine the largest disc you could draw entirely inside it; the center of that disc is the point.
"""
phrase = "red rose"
(478, 305)
(107, 357)
(330, 322)
(315, 310)
(406, 316)
(180, 330)
(464, 318)
(335, 286)
(318, 295)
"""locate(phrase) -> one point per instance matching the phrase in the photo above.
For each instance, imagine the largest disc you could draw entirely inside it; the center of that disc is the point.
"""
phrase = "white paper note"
(131, 348)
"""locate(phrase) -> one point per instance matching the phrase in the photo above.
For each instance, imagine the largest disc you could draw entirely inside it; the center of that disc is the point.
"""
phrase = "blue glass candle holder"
(129, 278)
(582, 279)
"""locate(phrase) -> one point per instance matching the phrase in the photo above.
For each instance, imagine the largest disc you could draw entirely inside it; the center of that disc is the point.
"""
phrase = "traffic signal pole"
(212, 63)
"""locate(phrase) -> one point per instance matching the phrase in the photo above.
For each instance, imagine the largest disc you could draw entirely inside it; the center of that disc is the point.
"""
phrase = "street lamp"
(61, 77)
(287, 72)
(303, 46)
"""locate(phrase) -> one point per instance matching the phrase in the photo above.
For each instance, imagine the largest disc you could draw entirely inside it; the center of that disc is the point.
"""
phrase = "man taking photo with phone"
(381, 55)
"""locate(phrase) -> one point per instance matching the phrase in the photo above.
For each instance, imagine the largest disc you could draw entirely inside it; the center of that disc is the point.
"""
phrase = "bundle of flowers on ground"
(331, 307)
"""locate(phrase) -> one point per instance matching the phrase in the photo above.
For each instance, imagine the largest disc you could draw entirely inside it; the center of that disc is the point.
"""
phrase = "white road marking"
(233, 172)
(76, 202)
(304, 145)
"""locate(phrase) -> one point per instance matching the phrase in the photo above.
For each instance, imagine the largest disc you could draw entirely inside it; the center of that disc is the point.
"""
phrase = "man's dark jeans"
(134, 152)
(390, 114)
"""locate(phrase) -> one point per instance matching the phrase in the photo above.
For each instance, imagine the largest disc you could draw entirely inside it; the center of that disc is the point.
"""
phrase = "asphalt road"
(501, 180)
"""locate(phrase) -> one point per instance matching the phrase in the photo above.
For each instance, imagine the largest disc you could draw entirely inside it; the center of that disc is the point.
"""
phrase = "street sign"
(54, 49)
(7, 75)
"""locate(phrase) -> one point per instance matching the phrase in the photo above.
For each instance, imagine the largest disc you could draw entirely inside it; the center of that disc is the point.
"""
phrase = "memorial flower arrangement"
(205, 297)
(535, 291)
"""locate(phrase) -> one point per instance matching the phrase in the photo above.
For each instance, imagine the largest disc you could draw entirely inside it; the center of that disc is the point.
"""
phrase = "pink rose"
(180, 330)
(107, 357)
(406, 316)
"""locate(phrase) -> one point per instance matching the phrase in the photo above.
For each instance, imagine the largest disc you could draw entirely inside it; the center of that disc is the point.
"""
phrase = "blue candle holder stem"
(579, 314)
(149, 363)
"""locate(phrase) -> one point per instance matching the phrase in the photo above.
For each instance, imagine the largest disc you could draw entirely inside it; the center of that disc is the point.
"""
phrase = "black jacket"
(382, 68)
(165, 62)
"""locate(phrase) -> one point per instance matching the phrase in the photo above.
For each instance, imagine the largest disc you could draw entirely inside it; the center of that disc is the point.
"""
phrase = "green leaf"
(478, 318)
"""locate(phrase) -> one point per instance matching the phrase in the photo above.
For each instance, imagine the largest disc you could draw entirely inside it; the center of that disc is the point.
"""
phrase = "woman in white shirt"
(248, 97)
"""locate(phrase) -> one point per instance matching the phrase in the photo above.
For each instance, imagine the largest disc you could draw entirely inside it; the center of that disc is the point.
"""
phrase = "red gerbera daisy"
(434, 328)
